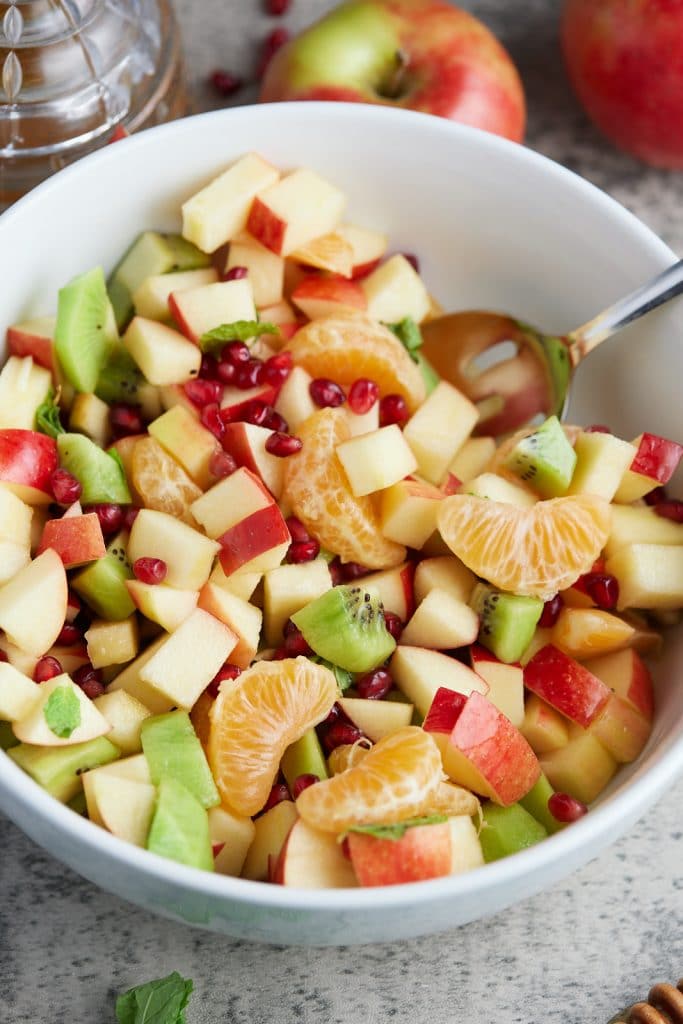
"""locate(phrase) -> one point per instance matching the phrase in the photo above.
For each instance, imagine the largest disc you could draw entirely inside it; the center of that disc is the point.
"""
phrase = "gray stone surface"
(576, 953)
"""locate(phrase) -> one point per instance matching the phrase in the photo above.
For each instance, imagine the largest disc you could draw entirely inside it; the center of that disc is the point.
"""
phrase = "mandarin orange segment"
(346, 756)
(533, 551)
(346, 347)
(254, 720)
(317, 490)
(162, 484)
(453, 800)
(396, 780)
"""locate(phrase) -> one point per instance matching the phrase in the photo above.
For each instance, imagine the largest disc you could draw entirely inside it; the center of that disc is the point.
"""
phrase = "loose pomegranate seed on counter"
(235, 352)
(130, 514)
(566, 808)
(551, 612)
(70, 635)
(109, 515)
(224, 82)
(394, 625)
(295, 645)
(274, 421)
(670, 509)
(283, 445)
(210, 417)
(236, 274)
(46, 668)
(150, 570)
(325, 393)
(65, 487)
(203, 392)
(255, 412)
(340, 734)
(278, 793)
(221, 464)
(271, 44)
(249, 374)
(362, 395)
(303, 551)
(393, 409)
(413, 260)
(603, 588)
(375, 685)
(226, 671)
(208, 369)
(302, 782)
(655, 496)
(297, 530)
(125, 419)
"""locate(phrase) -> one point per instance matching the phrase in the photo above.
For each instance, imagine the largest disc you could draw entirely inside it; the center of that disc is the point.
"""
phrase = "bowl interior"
(495, 227)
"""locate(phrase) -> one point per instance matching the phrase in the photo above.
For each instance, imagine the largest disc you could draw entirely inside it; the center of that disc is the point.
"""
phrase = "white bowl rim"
(591, 831)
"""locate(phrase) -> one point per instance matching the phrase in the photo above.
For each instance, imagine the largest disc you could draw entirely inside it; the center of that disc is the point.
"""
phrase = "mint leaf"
(240, 330)
(344, 678)
(157, 1002)
(398, 830)
(47, 417)
(62, 712)
(408, 333)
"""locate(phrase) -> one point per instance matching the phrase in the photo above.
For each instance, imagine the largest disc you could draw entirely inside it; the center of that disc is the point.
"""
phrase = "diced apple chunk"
(271, 830)
(505, 682)
(408, 511)
(165, 605)
(246, 442)
(497, 488)
(377, 718)
(472, 458)
(163, 355)
(266, 269)
(151, 298)
(438, 429)
(18, 693)
(331, 252)
(640, 525)
(313, 860)
(33, 604)
(649, 575)
(587, 632)
(125, 715)
(243, 584)
(394, 588)
(121, 805)
(317, 296)
(582, 767)
(130, 681)
(13, 558)
(198, 310)
(300, 207)
(367, 247)
(112, 643)
(445, 572)
(377, 460)
(601, 461)
(231, 836)
(190, 443)
(188, 555)
(289, 588)
(23, 387)
(15, 519)
(241, 618)
(232, 499)
(86, 721)
(419, 672)
(466, 852)
(543, 727)
(395, 291)
(441, 622)
(294, 401)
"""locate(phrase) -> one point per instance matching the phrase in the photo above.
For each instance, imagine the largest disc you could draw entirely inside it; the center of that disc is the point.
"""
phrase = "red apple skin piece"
(27, 460)
(77, 539)
(566, 685)
(250, 537)
(657, 458)
(331, 289)
(423, 852)
(625, 63)
(27, 343)
(364, 269)
(455, 67)
(235, 400)
(635, 682)
(265, 225)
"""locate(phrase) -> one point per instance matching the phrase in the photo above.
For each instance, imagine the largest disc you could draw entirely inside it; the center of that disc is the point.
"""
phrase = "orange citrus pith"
(532, 551)
(317, 490)
(162, 484)
(256, 717)
(396, 779)
(346, 347)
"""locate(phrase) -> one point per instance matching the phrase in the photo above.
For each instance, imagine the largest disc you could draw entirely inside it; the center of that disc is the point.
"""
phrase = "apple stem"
(392, 87)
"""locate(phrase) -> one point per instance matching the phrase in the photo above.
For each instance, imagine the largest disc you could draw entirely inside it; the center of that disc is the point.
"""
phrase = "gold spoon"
(664, 1006)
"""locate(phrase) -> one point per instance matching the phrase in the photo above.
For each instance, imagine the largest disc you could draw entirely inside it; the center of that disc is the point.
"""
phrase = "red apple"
(33, 338)
(246, 442)
(566, 685)
(76, 539)
(321, 296)
(421, 54)
(628, 676)
(625, 61)
(657, 457)
(255, 543)
(235, 400)
(622, 730)
(423, 851)
(27, 461)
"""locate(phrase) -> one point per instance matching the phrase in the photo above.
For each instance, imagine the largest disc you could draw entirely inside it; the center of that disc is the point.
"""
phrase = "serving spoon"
(536, 378)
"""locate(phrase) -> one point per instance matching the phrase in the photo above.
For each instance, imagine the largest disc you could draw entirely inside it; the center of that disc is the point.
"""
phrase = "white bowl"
(496, 227)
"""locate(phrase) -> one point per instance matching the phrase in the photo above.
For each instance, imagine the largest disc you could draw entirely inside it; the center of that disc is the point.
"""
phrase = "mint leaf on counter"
(398, 830)
(47, 417)
(240, 330)
(157, 1002)
(62, 712)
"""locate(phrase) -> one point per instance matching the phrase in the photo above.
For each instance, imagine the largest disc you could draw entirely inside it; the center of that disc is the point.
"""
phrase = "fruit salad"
(271, 604)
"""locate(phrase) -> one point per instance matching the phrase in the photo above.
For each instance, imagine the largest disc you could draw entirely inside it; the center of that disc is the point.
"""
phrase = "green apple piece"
(544, 459)
(506, 621)
(346, 626)
(151, 253)
(59, 769)
(102, 585)
(507, 830)
(84, 329)
(100, 474)
(180, 827)
(536, 804)
(7, 737)
(304, 757)
(173, 751)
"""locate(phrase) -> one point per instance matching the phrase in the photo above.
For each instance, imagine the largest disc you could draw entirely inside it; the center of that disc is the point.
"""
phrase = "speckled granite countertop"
(573, 955)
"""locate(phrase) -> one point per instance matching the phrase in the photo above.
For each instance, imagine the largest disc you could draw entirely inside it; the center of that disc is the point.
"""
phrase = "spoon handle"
(660, 289)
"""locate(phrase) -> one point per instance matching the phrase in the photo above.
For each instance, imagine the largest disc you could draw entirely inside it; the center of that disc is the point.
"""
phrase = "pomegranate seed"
(283, 445)
(109, 515)
(65, 487)
(656, 496)
(224, 82)
(336, 571)
(271, 44)
(413, 260)
(254, 412)
(362, 395)
(302, 782)
(375, 685)
(295, 644)
(297, 530)
(345, 847)
(236, 274)
(203, 392)
(74, 606)
(670, 509)
(235, 352)
(46, 668)
(279, 654)
(597, 428)
(340, 734)
(150, 570)
(325, 393)
(394, 625)
(277, 7)
(303, 551)
(225, 371)
(69, 635)
(208, 369)
(278, 793)
(249, 375)
(226, 671)
(221, 464)
(125, 419)
(3, 656)
(603, 588)
(393, 409)
(89, 679)
(353, 570)
(274, 421)
(551, 612)
(333, 716)
(566, 808)
(130, 514)
(210, 416)
(281, 361)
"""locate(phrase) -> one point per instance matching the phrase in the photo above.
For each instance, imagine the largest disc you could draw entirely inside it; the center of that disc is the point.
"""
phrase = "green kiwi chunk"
(173, 751)
(102, 585)
(120, 379)
(536, 803)
(506, 621)
(59, 769)
(304, 757)
(100, 474)
(507, 830)
(180, 827)
(346, 626)
(544, 459)
(85, 329)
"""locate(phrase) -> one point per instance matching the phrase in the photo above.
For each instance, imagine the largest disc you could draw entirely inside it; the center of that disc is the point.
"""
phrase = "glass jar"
(74, 73)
